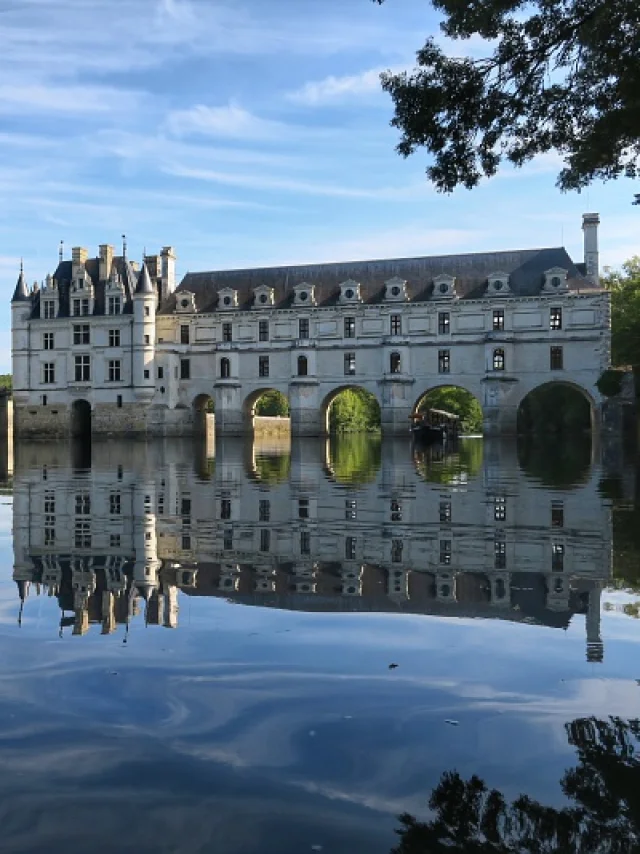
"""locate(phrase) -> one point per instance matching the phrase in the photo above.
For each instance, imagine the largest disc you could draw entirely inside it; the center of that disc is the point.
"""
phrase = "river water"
(347, 646)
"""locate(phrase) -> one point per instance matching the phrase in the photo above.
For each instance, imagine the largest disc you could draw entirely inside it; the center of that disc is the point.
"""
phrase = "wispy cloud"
(231, 121)
(41, 98)
(336, 89)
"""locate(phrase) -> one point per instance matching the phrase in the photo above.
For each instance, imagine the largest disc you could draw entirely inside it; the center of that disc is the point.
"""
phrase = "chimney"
(168, 270)
(78, 259)
(106, 261)
(590, 223)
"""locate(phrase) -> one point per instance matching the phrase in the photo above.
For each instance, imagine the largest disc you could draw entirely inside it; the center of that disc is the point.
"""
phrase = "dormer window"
(555, 280)
(444, 287)
(227, 298)
(498, 284)
(185, 302)
(304, 294)
(395, 290)
(350, 292)
(263, 297)
(114, 305)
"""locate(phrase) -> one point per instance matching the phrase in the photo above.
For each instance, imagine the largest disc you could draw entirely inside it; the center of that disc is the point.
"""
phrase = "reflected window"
(302, 366)
(114, 541)
(500, 509)
(265, 540)
(225, 508)
(115, 503)
(396, 551)
(396, 511)
(186, 542)
(185, 506)
(227, 539)
(557, 557)
(445, 552)
(350, 509)
(305, 543)
(303, 508)
(83, 504)
(394, 363)
(82, 535)
(445, 511)
(49, 502)
(49, 534)
(557, 514)
(558, 586)
(264, 510)
(498, 359)
(225, 368)
(501, 589)
(500, 554)
(350, 548)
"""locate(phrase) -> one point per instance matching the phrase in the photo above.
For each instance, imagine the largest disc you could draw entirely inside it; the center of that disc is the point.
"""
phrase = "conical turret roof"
(144, 285)
(21, 293)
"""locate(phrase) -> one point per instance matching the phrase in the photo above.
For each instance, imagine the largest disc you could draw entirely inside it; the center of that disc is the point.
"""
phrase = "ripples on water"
(351, 646)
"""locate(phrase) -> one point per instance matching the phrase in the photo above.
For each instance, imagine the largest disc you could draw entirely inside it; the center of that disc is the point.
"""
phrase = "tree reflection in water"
(604, 818)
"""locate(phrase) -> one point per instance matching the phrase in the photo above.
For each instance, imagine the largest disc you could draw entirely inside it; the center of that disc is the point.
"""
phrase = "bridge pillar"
(397, 404)
(230, 420)
(307, 418)
(500, 420)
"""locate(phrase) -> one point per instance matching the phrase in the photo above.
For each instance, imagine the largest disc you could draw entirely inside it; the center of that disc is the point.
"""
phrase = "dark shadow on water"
(560, 463)
(80, 452)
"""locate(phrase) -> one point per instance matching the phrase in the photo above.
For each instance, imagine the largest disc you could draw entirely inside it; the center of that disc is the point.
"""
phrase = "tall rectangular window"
(556, 360)
(498, 359)
(49, 502)
(263, 330)
(184, 334)
(81, 334)
(350, 548)
(82, 535)
(445, 511)
(303, 328)
(350, 509)
(349, 364)
(498, 319)
(82, 369)
(349, 327)
(83, 504)
(444, 322)
(445, 552)
(557, 557)
(265, 540)
(225, 508)
(227, 539)
(47, 341)
(500, 554)
(160, 373)
(227, 332)
(113, 305)
(114, 371)
(305, 543)
(303, 508)
(114, 338)
(115, 504)
(500, 509)
(263, 366)
(185, 369)
(444, 361)
(396, 551)
(49, 309)
(555, 319)
(557, 514)
(396, 510)
(49, 373)
(395, 326)
(264, 510)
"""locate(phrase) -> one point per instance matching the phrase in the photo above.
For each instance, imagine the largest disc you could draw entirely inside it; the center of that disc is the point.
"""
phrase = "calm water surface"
(339, 647)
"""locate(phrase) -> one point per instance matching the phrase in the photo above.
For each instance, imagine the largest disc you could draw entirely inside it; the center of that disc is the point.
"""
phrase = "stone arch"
(325, 407)
(456, 385)
(275, 422)
(81, 419)
(554, 387)
(251, 401)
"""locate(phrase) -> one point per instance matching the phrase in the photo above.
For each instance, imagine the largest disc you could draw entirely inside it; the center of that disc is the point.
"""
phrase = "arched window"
(394, 361)
(302, 366)
(498, 359)
(225, 368)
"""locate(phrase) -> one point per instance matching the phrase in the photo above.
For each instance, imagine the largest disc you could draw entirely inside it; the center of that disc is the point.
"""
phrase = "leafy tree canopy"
(625, 312)
(558, 75)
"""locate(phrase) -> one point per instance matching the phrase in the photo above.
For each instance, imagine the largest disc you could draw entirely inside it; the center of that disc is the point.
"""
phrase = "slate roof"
(21, 292)
(144, 285)
(525, 267)
(62, 277)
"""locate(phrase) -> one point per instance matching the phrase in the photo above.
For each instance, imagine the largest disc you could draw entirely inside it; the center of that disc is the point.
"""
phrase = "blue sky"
(244, 132)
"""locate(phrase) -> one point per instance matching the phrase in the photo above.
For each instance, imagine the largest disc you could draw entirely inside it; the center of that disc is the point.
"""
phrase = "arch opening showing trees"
(352, 410)
(458, 401)
(555, 409)
(268, 403)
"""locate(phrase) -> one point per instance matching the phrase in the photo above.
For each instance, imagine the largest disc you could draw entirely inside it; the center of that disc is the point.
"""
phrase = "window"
(114, 541)
(264, 510)
(147, 339)
(556, 360)
(185, 507)
(396, 551)
(82, 369)
(113, 305)
(500, 509)
(227, 539)
(225, 509)
(81, 334)
(114, 338)
(303, 508)
(350, 509)
(114, 371)
(445, 552)
(80, 307)
(119, 401)
(394, 363)
(49, 373)
(44, 399)
(303, 367)
(49, 534)
(444, 322)
(498, 359)
(160, 373)
(119, 473)
(349, 327)
(396, 324)
(445, 511)
(225, 368)
(349, 364)
(557, 557)
(498, 320)
(147, 311)
(115, 504)
(350, 548)
(263, 330)
(555, 319)
(49, 309)
(500, 554)
(444, 361)
(305, 543)
(82, 535)
(557, 514)
(83, 504)
(184, 334)
(47, 341)
(303, 328)
(396, 510)
(265, 540)
(186, 542)
(49, 502)
(227, 332)
(185, 369)
(263, 366)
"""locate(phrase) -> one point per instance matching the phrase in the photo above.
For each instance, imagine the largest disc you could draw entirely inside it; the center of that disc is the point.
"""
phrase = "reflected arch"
(81, 419)
(454, 398)
(203, 413)
(366, 411)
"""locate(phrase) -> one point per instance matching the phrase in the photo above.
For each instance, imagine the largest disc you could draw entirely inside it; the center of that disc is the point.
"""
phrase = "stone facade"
(152, 359)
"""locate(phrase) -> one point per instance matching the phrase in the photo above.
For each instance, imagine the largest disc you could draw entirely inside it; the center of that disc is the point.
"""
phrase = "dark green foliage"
(272, 404)
(556, 76)
(6, 381)
(610, 383)
(272, 468)
(554, 409)
(437, 465)
(355, 459)
(624, 286)
(604, 817)
(354, 410)
(458, 402)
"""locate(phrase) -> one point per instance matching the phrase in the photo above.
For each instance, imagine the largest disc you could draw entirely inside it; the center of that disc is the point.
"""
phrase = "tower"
(590, 223)
(20, 316)
(144, 334)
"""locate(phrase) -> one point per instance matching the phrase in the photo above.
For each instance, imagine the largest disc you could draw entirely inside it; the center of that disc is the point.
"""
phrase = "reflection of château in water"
(464, 536)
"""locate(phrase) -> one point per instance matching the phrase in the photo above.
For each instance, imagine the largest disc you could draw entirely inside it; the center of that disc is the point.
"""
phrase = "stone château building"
(108, 345)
